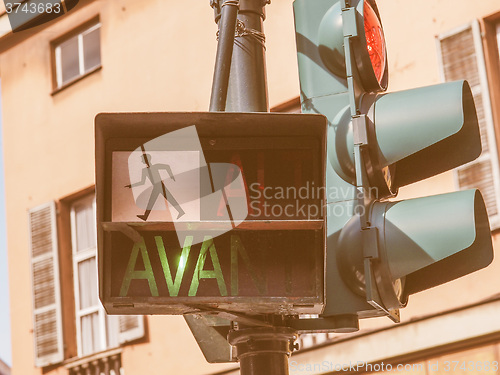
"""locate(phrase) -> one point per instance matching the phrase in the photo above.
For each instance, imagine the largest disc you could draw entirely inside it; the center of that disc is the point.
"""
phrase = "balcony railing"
(311, 340)
(104, 363)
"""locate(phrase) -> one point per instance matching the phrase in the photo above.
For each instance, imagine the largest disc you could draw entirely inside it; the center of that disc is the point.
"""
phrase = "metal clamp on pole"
(255, 6)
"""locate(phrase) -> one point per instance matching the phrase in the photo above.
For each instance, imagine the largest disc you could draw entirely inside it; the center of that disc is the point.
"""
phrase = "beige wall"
(410, 28)
(158, 55)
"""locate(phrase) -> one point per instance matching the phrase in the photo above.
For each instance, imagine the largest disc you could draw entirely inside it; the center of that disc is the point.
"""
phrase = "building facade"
(4, 368)
(158, 55)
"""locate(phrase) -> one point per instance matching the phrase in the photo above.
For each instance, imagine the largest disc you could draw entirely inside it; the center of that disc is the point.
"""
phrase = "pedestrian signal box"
(211, 212)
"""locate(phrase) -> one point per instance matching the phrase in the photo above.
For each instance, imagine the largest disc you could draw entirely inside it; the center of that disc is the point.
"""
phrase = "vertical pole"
(263, 351)
(248, 82)
(259, 350)
(227, 28)
(247, 88)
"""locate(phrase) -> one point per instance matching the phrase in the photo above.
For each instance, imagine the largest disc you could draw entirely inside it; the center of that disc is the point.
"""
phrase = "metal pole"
(227, 27)
(248, 83)
(260, 350)
(263, 351)
(247, 90)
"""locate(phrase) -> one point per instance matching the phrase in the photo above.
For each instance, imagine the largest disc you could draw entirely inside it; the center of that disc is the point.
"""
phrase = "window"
(462, 57)
(498, 39)
(96, 331)
(78, 55)
(74, 224)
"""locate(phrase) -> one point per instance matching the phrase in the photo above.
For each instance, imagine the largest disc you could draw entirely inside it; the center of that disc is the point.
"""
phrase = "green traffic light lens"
(375, 41)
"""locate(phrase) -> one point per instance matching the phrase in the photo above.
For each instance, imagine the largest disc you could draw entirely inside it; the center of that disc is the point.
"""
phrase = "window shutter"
(131, 327)
(47, 320)
(462, 57)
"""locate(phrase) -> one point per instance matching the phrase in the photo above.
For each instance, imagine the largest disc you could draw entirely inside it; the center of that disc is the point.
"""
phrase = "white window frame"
(79, 256)
(110, 326)
(490, 125)
(492, 155)
(81, 63)
(498, 38)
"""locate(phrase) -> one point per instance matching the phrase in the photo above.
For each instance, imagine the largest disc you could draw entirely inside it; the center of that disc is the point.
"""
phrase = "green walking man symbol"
(152, 172)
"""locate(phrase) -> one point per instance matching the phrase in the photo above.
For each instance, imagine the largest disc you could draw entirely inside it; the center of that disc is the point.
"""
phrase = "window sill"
(75, 80)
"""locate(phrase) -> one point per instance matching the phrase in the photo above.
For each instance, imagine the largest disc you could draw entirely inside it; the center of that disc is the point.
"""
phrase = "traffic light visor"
(424, 131)
(433, 240)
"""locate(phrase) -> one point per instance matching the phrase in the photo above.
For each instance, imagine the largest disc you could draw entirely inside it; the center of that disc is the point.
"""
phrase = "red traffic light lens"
(375, 41)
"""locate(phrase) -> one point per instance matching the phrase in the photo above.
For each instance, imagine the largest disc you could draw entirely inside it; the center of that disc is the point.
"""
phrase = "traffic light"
(380, 251)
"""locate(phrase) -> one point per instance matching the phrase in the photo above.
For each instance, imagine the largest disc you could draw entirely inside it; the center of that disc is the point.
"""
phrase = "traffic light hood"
(415, 133)
(423, 131)
(420, 243)
(436, 239)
